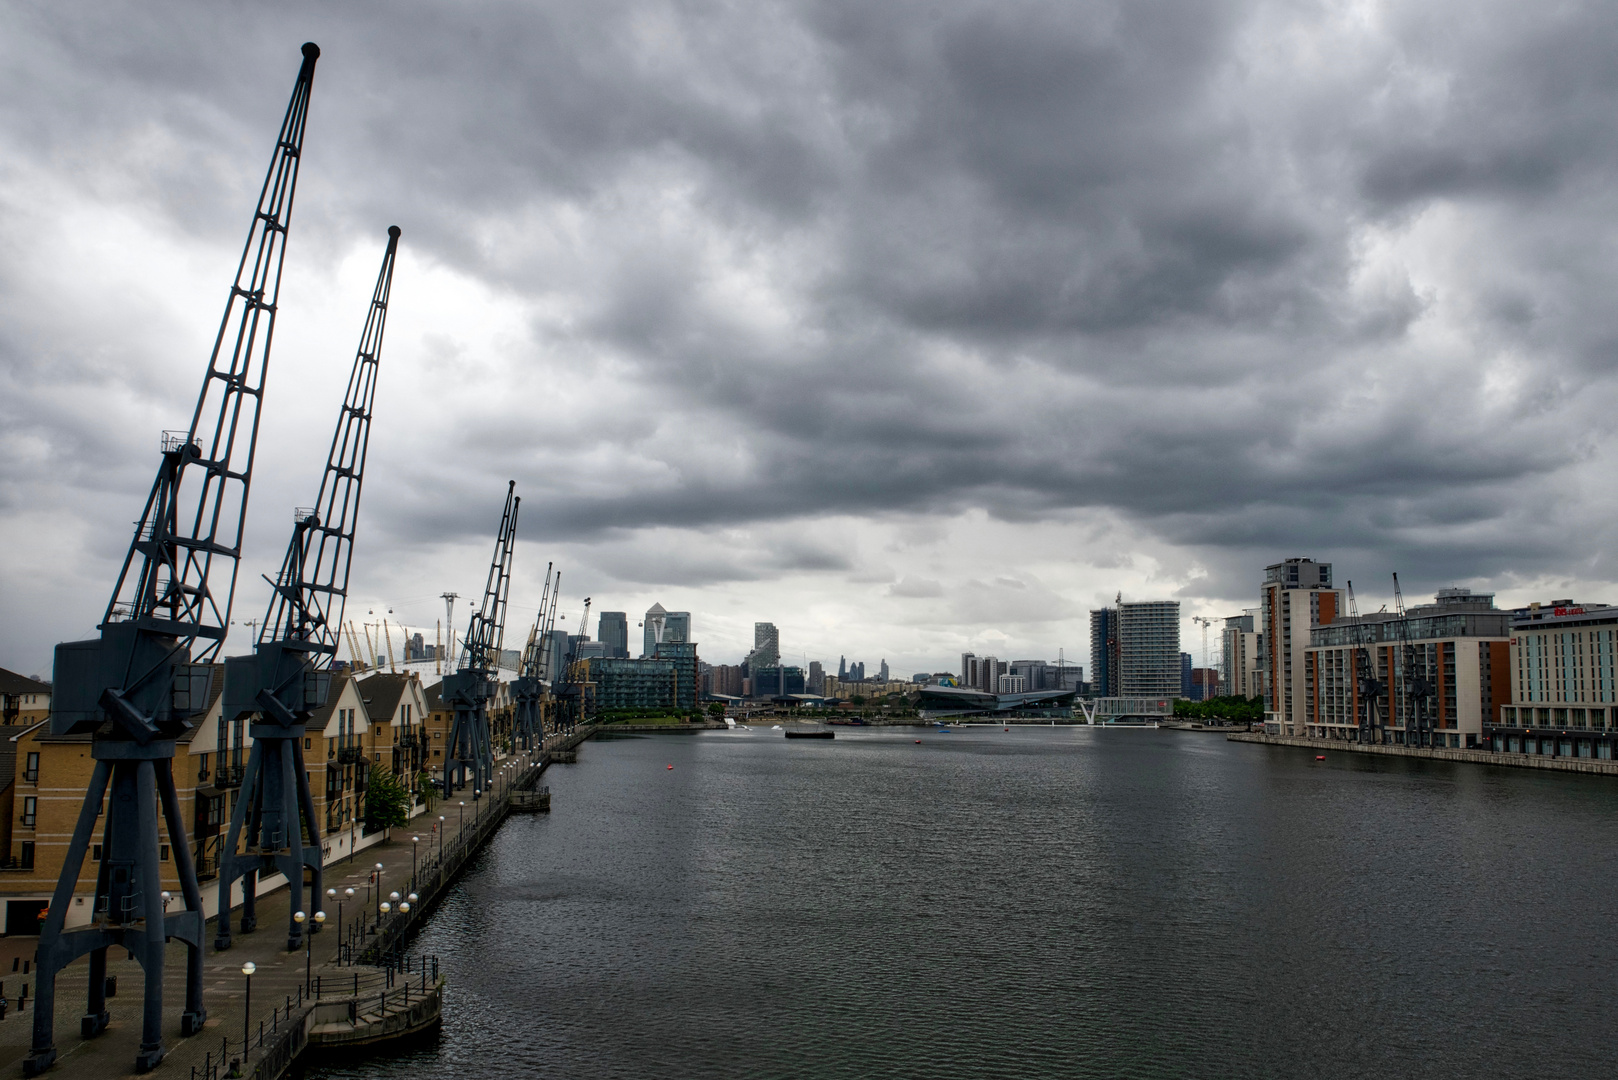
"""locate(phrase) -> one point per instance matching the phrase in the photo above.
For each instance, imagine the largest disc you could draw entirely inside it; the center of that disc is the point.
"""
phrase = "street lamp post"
(379, 908)
(348, 894)
(414, 840)
(441, 839)
(247, 1009)
(462, 832)
(309, 950)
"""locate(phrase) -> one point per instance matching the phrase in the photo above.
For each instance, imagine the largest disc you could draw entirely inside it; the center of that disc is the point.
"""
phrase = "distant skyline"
(915, 331)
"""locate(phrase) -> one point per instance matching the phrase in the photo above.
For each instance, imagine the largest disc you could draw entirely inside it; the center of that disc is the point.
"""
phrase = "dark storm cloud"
(1255, 276)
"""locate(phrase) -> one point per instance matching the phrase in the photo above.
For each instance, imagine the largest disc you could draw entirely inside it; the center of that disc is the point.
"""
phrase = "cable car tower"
(527, 690)
(288, 677)
(137, 687)
(468, 690)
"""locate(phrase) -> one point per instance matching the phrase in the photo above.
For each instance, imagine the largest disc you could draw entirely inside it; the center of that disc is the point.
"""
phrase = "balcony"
(407, 741)
(230, 776)
(350, 755)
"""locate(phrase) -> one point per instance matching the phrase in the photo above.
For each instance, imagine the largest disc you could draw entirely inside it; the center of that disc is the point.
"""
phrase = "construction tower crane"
(1204, 622)
(137, 687)
(1417, 687)
(288, 676)
(1368, 688)
(527, 690)
(468, 756)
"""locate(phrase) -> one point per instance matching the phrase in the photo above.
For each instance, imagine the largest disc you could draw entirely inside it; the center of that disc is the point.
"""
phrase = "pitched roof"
(434, 696)
(657, 609)
(382, 693)
(322, 716)
(13, 683)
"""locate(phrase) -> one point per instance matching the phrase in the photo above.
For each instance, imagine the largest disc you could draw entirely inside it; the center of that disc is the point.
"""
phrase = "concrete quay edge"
(1589, 766)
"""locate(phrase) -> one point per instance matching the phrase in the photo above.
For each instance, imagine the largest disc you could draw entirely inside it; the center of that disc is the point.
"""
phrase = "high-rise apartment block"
(1297, 597)
(982, 672)
(1135, 650)
(1104, 652)
(1239, 655)
(816, 683)
(1149, 649)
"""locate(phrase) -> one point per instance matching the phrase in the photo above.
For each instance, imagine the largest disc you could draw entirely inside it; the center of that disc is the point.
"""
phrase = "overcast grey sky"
(909, 327)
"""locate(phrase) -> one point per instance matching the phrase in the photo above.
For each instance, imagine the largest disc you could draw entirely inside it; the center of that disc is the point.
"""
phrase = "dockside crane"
(1367, 686)
(569, 691)
(288, 676)
(1418, 689)
(468, 752)
(547, 665)
(137, 688)
(527, 690)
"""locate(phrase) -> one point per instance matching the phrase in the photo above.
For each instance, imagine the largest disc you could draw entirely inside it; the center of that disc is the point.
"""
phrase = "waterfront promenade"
(1475, 757)
(281, 975)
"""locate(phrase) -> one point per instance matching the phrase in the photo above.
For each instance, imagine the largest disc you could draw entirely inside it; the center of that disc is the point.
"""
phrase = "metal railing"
(402, 983)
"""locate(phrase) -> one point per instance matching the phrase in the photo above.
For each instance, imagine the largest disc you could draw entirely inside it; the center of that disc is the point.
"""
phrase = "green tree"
(429, 790)
(387, 802)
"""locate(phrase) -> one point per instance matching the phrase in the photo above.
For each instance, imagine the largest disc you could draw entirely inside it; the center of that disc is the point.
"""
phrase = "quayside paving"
(280, 974)
(1476, 757)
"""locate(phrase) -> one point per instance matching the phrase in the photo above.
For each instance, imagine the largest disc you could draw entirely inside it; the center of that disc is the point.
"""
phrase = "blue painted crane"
(527, 692)
(135, 689)
(288, 676)
(468, 756)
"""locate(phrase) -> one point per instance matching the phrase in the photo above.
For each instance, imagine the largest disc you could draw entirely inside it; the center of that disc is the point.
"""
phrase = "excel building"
(1564, 693)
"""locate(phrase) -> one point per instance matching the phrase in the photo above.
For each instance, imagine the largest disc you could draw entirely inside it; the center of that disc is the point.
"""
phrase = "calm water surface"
(1044, 902)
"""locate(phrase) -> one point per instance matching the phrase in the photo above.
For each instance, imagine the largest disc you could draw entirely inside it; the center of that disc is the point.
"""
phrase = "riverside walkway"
(1475, 757)
(368, 940)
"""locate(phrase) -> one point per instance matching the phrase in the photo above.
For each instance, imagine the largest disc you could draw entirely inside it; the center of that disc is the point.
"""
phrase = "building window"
(31, 770)
(308, 744)
(163, 852)
(26, 861)
(95, 853)
(30, 807)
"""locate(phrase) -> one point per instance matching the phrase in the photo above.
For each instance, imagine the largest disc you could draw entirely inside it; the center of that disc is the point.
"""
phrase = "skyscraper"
(817, 678)
(884, 670)
(766, 646)
(613, 632)
(661, 625)
(842, 667)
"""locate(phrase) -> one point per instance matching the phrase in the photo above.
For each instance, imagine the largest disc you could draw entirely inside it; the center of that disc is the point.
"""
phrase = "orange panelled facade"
(1499, 678)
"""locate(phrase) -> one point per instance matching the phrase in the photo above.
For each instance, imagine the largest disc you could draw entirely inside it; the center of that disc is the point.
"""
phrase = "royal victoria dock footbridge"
(353, 983)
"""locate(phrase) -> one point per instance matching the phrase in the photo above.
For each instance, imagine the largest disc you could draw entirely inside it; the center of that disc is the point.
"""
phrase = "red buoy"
(1318, 757)
(671, 766)
(918, 742)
